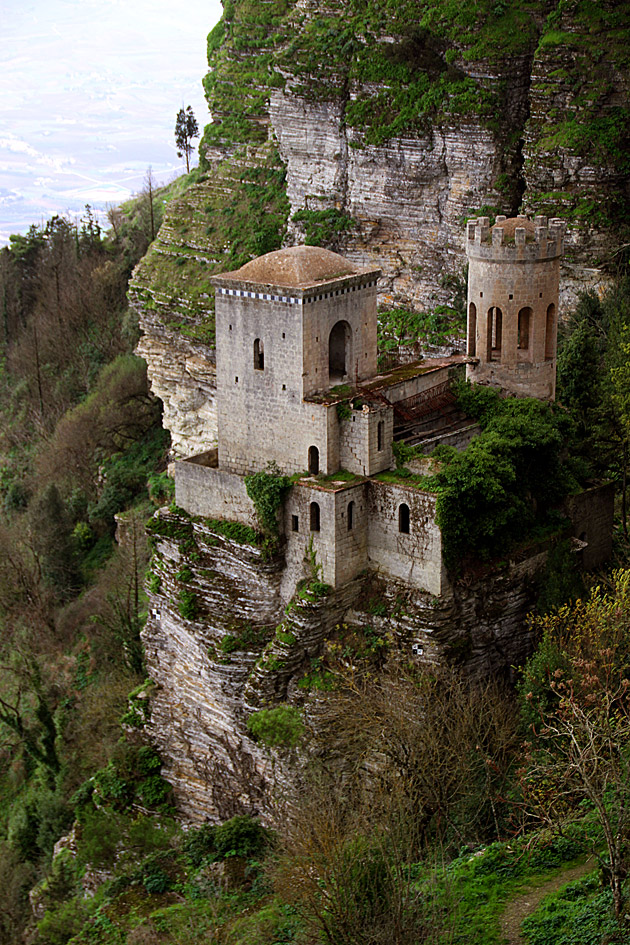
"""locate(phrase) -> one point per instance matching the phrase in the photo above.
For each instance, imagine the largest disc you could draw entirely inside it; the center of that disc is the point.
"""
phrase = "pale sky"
(89, 93)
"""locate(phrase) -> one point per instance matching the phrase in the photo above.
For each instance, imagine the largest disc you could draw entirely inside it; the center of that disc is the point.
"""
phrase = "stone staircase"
(433, 419)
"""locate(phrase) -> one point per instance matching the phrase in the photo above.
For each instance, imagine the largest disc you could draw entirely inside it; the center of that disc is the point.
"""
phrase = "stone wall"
(213, 493)
(414, 556)
(362, 449)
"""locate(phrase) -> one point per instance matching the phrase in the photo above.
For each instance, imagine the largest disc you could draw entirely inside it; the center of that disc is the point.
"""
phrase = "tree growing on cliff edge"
(186, 128)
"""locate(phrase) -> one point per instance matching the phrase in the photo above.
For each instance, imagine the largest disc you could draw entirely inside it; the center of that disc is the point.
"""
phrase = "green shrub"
(485, 496)
(154, 791)
(280, 726)
(185, 575)
(187, 604)
(241, 836)
(59, 926)
(102, 832)
(235, 531)
(198, 843)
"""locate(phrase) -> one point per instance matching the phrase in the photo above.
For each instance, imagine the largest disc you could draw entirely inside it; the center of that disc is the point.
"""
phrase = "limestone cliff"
(373, 129)
(220, 645)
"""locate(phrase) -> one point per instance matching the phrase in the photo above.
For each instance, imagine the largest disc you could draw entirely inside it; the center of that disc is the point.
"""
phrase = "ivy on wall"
(267, 490)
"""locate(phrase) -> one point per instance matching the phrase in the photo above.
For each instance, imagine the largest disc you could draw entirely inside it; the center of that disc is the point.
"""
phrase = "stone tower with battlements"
(513, 303)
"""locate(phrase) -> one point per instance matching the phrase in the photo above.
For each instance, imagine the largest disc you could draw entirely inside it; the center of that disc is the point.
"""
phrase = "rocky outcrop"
(220, 645)
(182, 374)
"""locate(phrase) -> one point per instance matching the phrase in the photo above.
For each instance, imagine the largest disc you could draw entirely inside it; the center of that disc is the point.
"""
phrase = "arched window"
(550, 333)
(380, 435)
(313, 460)
(495, 333)
(350, 516)
(314, 517)
(472, 330)
(403, 518)
(524, 321)
(259, 355)
(339, 358)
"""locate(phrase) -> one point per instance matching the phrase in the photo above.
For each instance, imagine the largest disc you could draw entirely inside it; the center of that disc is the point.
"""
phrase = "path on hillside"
(529, 900)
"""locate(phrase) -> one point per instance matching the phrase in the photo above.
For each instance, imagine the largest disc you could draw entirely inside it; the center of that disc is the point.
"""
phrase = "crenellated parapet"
(515, 240)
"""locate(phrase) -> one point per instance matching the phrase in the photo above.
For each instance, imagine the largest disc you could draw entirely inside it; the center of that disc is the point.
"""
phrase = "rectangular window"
(295, 523)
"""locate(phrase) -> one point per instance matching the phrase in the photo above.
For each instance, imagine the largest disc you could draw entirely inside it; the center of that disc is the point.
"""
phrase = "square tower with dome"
(289, 325)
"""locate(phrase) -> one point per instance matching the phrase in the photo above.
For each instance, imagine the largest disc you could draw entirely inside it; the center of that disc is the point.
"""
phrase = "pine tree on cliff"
(186, 128)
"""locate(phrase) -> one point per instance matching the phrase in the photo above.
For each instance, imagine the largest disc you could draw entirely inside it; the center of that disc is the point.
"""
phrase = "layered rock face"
(374, 131)
(220, 646)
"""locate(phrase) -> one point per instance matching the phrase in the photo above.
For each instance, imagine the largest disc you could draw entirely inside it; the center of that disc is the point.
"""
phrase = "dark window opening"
(314, 517)
(495, 333)
(295, 523)
(524, 318)
(350, 516)
(550, 332)
(339, 352)
(403, 519)
(313, 460)
(472, 330)
(259, 355)
(380, 435)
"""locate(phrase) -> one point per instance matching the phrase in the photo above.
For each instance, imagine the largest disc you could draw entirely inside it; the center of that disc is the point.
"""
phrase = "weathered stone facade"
(232, 629)
(513, 304)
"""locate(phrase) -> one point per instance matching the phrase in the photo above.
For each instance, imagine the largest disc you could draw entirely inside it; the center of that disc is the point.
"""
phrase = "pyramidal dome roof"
(293, 267)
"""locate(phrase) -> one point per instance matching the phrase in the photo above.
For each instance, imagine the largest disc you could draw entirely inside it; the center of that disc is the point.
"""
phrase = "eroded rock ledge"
(220, 645)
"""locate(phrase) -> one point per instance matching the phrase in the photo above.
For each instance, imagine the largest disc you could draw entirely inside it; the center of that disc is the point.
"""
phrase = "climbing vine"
(267, 489)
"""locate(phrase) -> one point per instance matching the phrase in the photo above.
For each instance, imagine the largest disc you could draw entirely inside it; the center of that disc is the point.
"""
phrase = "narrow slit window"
(550, 332)
(315, 519)
(403, 518)
(380, 435)
(259, 355)
(472, 330)
(350, 516)
(295, 523)
(524, 317)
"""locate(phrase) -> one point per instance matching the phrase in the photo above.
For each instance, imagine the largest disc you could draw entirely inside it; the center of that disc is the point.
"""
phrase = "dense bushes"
(507, 481)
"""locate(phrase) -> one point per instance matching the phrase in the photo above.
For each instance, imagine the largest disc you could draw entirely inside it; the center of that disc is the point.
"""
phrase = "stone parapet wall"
(213, 493)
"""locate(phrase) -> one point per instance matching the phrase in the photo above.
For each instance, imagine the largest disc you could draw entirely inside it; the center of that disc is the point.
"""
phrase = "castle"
(298, 388)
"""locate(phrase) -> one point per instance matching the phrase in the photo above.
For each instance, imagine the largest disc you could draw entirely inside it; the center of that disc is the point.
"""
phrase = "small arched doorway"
(313, 460)
(339, 354)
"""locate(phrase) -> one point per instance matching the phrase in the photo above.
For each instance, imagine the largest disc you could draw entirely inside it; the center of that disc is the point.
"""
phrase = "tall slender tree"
(186, 128)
